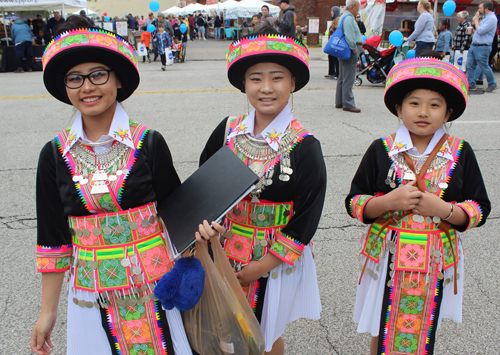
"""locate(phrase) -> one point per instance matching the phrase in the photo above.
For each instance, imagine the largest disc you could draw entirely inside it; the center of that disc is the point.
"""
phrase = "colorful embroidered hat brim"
(86, 45)
(431, 74)
(253, 49)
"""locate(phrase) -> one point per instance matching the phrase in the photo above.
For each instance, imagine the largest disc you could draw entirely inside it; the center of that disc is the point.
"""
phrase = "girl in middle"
(268, 238)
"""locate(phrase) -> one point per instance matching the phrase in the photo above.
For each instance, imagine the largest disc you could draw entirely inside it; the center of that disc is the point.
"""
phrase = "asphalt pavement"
(185, 103)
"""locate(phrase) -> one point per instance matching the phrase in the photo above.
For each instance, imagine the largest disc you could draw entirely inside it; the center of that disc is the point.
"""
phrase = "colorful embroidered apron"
(419, 253)
(254, 226)
(119, 256)
(252, 230)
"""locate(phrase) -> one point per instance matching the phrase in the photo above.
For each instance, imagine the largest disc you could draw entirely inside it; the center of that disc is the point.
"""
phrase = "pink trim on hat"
(92, 38)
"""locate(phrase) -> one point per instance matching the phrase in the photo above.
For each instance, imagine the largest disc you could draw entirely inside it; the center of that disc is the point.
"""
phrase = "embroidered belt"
(252, 228)
(412, 247)
(120, 251)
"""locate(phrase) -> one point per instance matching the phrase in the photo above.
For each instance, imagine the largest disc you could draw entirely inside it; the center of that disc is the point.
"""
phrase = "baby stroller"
(378, 63)
(180, 55)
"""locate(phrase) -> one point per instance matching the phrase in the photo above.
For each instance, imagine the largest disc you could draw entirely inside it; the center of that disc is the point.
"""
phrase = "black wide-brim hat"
(86, 45)
(262, 48)
(431, 74)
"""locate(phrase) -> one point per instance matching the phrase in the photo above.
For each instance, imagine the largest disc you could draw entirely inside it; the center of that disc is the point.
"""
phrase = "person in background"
(423, 34)
(177, 31)
(54, 23)
(287, 24)
(21, 35)
(299, 35)
(114, 23)
(142, 22)
(146, 40)
(166, 24)
(192, 26)
(38, 24)
(42, 38)
(217, 26)
(333, 62)
(84, 14)
(462, 39)
(131, 28)
(361, 25)
(445, 39)
(267, 19)
(344, 98)
(162, 38)
(200, 26)
(150, 19)
(479, 52)
(256, 19)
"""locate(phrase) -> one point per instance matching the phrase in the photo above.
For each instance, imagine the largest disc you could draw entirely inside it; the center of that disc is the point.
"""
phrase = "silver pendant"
(443, 185)
(284, 177)
(258, 168)
(99, 189)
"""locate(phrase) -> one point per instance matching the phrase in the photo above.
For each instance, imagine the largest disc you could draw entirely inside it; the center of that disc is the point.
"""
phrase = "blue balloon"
(410, 54)
(183, 28)
(154, 5)
(364, 38)
(106, 19)
(396, 38)
(151, 28)
(449, 8)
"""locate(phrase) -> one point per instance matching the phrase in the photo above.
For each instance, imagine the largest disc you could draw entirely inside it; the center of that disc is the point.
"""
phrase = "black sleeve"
(370, 176)
(165, 178)
(311, 189)
(215, 142)
(52, 227)
(467, 184)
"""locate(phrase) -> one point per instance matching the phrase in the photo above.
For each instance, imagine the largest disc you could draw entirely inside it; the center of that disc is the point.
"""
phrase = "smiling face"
(264, 11)
(268, 87)
(423, 112)
(93, 100)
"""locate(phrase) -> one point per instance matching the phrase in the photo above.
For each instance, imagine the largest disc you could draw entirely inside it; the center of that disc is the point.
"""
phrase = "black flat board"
(208, 194)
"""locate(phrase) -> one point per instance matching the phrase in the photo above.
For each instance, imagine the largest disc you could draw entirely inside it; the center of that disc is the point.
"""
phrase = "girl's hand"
(206, 232)
(404, 197)
(40, 335)
(431, 205)
(250, 273)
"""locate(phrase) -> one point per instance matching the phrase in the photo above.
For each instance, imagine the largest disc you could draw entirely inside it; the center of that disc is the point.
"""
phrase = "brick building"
(313, 8)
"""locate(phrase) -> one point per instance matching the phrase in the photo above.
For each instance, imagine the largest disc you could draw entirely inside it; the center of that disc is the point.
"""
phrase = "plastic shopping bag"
(222, 323)
(141, 50)
(170, 57)
(337, 45)
(460, 60)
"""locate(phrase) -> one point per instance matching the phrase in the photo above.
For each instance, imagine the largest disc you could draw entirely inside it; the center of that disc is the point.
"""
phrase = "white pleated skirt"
(290, 297)
(85, 334)
(370, 295)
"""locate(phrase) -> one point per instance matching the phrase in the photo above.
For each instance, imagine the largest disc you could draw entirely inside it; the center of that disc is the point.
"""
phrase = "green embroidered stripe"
(281, 220)
(241, 230)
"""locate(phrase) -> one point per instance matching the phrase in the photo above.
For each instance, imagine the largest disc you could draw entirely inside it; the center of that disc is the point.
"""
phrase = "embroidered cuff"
(474, 212)
(358, 204)
(53, 259)
(287, 249)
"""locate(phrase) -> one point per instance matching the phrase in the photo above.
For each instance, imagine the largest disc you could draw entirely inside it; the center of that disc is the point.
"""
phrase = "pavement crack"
(339, 227)
(356, 128)
(327, 331)
(20, 169)
(4, 310)
(18, 222)
(488, 298)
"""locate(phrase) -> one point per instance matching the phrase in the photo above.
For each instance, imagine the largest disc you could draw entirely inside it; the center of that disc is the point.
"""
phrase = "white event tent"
(174, 10)
(192, 8)
(87, 11)
(248, 8)
(31, 5)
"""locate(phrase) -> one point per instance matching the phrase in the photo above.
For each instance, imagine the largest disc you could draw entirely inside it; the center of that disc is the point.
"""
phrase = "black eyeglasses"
(97, 77)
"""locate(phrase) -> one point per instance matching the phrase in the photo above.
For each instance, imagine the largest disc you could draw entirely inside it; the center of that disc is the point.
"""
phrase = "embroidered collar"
(119, 130)
(272, 133)
(403, 143)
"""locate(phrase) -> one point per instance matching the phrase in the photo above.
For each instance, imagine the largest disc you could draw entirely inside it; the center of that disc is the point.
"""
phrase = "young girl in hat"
(97, 186)
(418, 189)
(268, 238)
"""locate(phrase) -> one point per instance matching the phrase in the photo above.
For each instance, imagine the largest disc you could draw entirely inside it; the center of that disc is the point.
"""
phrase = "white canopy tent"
(192, 8)
(30, 5)
(87, 11)
(174, 10)
(248, 8)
